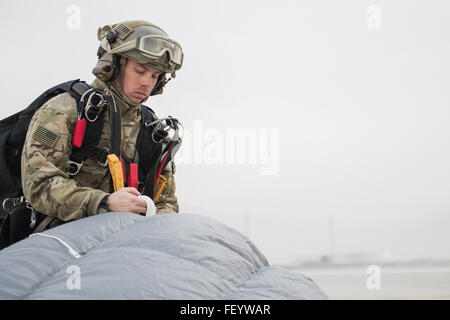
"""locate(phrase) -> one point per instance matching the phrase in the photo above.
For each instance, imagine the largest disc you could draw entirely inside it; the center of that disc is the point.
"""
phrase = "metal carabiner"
(14, 202)
(165, 124)
(76, 165)
(89, 104)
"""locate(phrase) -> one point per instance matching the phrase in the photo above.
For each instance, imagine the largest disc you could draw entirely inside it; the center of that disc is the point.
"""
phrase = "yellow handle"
(161, 188)
(115, 167)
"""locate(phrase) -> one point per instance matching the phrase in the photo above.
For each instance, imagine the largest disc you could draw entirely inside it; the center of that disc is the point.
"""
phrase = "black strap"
(77, 90)
(115, 122)
(149, 152)
(92, 152)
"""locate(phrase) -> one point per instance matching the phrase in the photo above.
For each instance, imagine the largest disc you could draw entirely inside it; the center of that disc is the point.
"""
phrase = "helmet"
(141, 41)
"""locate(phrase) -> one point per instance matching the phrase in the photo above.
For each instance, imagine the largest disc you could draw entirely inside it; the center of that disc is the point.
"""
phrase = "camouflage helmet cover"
(143, 42)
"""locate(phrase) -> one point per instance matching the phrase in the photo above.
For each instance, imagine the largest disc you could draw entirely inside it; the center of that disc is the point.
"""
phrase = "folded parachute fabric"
(128, 256)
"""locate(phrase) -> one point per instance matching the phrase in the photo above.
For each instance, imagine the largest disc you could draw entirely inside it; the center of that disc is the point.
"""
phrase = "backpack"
(17, 218)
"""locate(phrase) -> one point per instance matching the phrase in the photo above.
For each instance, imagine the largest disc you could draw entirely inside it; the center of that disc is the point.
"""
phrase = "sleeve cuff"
(95, 201)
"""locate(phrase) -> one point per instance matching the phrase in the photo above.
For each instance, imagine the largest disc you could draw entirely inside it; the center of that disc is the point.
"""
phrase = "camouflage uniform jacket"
(45, 181)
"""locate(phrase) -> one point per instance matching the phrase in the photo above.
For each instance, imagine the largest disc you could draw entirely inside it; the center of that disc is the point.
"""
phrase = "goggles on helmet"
(153, 47)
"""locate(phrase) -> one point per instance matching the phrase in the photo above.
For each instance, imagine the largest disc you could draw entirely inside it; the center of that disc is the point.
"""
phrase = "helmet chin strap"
(123, 63)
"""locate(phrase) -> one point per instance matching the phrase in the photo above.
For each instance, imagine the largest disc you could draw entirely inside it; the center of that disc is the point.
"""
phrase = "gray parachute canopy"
(128, 256)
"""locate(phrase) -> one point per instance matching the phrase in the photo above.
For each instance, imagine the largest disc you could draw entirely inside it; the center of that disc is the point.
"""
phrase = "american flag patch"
(45, 136)
(122, 30)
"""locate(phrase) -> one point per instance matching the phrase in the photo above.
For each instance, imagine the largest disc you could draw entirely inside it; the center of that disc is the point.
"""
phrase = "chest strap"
(79, 155)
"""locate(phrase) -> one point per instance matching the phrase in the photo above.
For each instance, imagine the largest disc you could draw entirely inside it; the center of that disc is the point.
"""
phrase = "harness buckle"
(10, 203)
(74, 167)
(97, 107)
(86, 113)
(104, 163)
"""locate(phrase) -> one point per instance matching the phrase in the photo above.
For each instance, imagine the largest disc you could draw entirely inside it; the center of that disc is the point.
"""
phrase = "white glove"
(151, 208)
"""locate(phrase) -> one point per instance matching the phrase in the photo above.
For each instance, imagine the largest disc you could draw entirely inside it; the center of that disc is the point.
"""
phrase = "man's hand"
(126, 200)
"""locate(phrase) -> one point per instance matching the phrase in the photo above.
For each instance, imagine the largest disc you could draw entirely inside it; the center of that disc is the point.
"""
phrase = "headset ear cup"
(105, 68)
(160, 84)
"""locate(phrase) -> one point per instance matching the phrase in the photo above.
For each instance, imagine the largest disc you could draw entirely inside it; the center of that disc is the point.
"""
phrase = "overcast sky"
(344, 107)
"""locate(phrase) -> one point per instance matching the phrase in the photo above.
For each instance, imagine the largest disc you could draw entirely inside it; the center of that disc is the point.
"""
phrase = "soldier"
(134, 57)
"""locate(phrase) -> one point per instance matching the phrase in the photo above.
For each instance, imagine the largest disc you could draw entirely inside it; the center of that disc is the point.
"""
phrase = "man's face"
(139, 80)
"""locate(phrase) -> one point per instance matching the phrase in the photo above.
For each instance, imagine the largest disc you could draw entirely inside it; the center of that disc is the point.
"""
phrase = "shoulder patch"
(45, 136)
